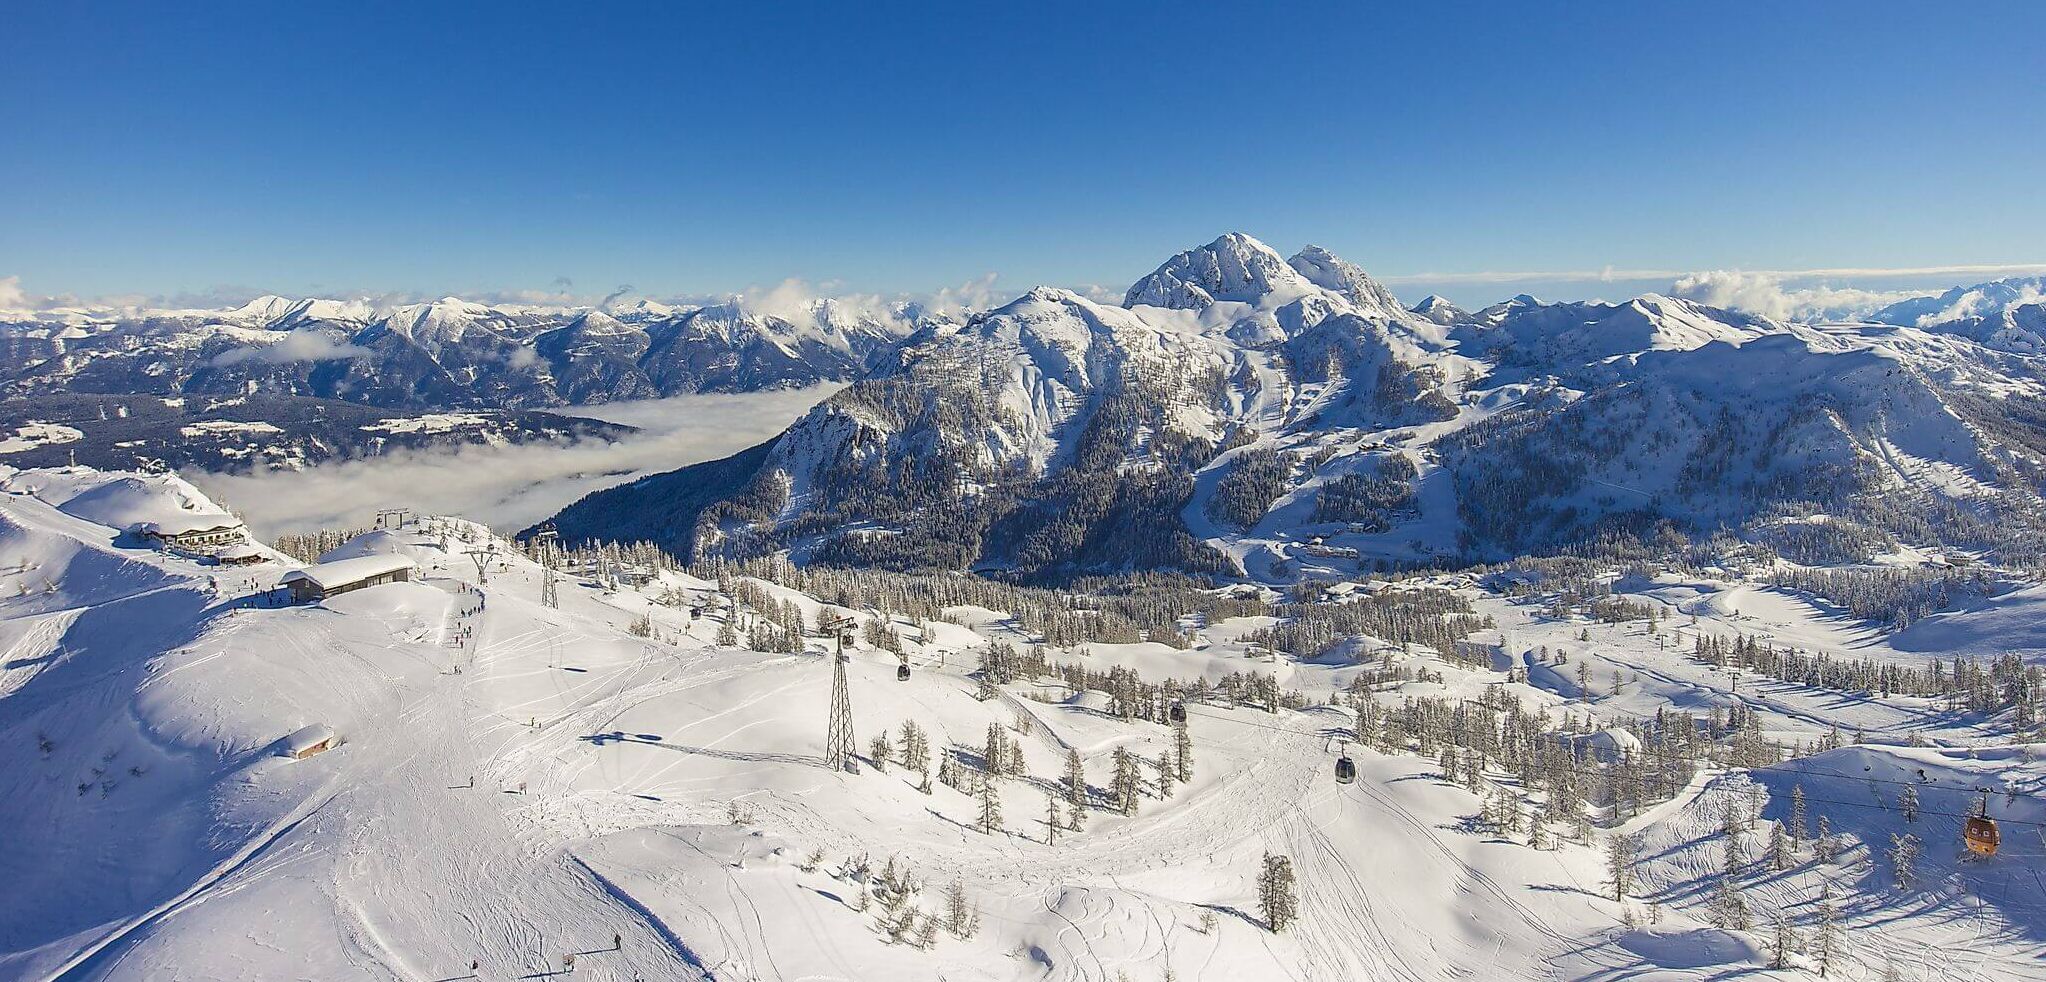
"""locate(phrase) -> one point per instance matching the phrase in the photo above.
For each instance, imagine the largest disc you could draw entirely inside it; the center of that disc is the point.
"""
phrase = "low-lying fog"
(510, 487)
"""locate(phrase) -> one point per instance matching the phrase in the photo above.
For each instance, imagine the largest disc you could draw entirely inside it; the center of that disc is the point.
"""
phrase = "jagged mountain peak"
(1436, 309)
(1340, 276)
(1234, 267)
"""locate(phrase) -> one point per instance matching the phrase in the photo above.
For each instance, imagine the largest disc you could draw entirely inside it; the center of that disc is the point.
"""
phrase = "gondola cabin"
(902, 672)
(1346, 770)
(1980, 835)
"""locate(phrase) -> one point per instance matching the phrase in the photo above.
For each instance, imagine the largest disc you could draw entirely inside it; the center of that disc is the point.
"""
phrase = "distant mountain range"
(259, 432)
(1243, 412)
(447, 354)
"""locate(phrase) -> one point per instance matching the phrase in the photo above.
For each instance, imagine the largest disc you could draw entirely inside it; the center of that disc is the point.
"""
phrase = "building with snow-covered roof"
(193, 532)
(240, 554)
(309, 740)
(343, 575)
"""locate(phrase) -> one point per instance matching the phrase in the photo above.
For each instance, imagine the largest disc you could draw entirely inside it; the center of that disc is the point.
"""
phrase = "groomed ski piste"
(600, 790)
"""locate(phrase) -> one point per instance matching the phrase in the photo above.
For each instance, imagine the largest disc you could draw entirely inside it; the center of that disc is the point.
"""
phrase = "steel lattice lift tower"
(838, 735)
(544, 539)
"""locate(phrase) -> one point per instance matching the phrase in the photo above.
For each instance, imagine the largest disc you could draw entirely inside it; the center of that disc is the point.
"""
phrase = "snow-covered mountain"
(1275, 418)
(1980, 301)
(450, 353)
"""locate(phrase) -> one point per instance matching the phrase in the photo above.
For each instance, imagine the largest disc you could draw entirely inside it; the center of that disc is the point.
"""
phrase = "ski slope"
(519, 784)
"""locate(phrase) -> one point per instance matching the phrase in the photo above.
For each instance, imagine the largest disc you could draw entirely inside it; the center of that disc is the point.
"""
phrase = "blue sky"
(434, 148)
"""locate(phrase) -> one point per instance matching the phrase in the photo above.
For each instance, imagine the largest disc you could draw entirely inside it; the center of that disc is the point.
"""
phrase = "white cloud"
(12, 296)
(510, 487)
(1765, 293)
(295, 346)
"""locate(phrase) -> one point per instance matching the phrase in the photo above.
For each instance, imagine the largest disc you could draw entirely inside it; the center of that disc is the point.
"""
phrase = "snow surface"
(519, 783)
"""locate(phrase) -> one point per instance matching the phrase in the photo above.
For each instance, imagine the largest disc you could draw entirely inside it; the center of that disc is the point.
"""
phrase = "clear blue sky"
(329, 147)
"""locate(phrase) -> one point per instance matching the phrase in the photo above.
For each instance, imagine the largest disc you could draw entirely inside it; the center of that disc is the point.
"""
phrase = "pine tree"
(960, 917)
(1182, 751)
(1800, 830)
(1779, 848)
(1052, 819)
(1731, 828)
(1826, 936)
(1275, 896)
(1729, 907)
(994, 755)
(916, 748)
(1127, 783)
(1166, 777)
(1827, 846)
(879, 749)
(1782, 942)
(728, 636)
(1620, 850)
(1904, 859)
(1076, 786)
(1908, 802)
(990, 806)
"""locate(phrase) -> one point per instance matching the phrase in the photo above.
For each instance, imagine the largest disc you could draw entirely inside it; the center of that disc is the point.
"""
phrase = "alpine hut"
(309, 740)
(343, 575)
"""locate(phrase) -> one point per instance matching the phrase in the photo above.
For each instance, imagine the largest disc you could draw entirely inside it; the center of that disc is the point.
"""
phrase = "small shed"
(341, 576)
(309, 740)
(245, 554)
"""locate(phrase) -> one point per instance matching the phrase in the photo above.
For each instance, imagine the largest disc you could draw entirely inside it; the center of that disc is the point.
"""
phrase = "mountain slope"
(1280, 419)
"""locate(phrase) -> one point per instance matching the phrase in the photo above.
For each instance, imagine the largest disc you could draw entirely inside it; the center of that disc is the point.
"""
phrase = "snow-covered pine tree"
(1800, 827)
(960, 917)
(1729, 908)
(1907, 802)
(1783, 941)
(1275, 895)
(1182, 751)
(994, 756)
(1620, 852)
(916, 747)
(990, 805)
(879, 750)
(1779, 848)
(1166, 777)
(1076, 784)
(1826, 845)
(1052, 819)
(1904, 860)
(1826, 936)
(1128, 781)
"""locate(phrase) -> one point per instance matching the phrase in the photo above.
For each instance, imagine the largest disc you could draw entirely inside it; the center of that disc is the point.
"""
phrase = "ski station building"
(197, 532)
(341, 576)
